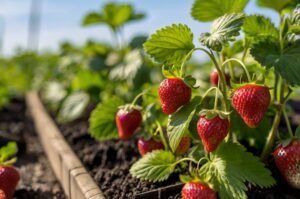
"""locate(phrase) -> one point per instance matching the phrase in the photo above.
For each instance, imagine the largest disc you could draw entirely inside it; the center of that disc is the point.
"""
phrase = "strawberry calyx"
(129, 108)
(236, 86)
(210, 114)
(285, 142)
(7, 154)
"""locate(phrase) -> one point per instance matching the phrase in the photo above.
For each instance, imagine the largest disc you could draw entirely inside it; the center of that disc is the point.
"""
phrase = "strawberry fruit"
(9, 178)
(127, 122)
(173, 93)
(197, 190)
(146, 146)
(183, 146)
(212, 131)
(251, 102)
(214, 78)
(287, 160)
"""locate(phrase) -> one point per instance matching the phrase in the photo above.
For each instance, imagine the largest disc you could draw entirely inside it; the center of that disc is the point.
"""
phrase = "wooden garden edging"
(74, 178)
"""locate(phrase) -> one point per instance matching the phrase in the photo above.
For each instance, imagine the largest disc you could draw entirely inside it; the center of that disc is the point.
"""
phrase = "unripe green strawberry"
(212, 131)
(183, 146)
(197, 190)
(287, 160)
(251, 102)
(127, 122)
(146, 146)
(9, 178)
(173, 93)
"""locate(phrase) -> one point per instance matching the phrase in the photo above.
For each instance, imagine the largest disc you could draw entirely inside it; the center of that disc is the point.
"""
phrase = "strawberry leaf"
(259, 26)
(224, 29)
(171, 44)
(8, 152)
(73, 106)
(268, 54)
(102, 125)
(204, 10)
(294, 26)
(228, 172)
(277, 5)
(156, 166)
(179, 122)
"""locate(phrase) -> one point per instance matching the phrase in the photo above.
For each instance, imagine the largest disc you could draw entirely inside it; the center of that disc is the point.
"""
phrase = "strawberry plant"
(253, 77)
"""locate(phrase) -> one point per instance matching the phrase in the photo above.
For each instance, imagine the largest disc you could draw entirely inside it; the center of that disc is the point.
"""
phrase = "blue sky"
(61, 20)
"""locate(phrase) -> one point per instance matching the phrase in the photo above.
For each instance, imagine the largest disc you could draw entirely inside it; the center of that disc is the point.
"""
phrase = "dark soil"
(37, 179)
(109, 163)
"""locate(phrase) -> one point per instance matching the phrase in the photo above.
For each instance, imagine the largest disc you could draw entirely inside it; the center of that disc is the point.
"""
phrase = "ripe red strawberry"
(9, 178)
(197, 190)
(214, 78)
(212, 131)
(251, 102)
(173, 93)
(2, 194)
(287, 160)
(183, 146)
(128, 122)
(146, 146)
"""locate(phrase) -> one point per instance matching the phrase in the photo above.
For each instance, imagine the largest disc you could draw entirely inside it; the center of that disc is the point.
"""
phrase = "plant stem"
(185, 159)
(272, 134)
(216, 100)
(245, 49)
(288, 124)
(242, 64)
(162, 136)
(222, 77)
(183, 66)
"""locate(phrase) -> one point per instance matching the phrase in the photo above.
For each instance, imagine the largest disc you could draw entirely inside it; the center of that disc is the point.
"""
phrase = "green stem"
(162, 136)
(288, 124)
(245, 49)
(272, 134)
(217, 90)
(136, 98)
(241, 63)
(276, 87)
(222, 77)
(183, 66)
(185, 159)
(216, 100)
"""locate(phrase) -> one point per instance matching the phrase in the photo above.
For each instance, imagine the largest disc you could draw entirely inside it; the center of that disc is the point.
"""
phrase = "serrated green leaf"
(295, 16)
(231, 167)
(204, 10)
(277, 5)
(102, 124)
(8, 152)
(259, 27)
(129, 67)
(294, 26)
(171, 44)
(224, 29)
(156, 166)
(268, 54)
(73, 106)
(179, 122)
